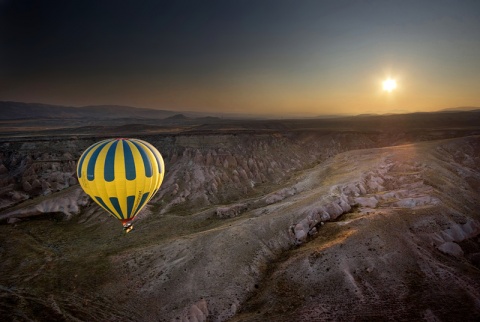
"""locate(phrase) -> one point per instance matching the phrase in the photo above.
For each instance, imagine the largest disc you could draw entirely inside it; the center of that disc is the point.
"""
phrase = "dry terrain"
(266, 221)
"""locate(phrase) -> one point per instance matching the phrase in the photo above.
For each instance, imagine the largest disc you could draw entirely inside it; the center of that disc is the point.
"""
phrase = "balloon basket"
(127, 226)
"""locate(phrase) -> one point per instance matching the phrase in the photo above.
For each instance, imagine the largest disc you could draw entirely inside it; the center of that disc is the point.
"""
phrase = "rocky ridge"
(202, 170)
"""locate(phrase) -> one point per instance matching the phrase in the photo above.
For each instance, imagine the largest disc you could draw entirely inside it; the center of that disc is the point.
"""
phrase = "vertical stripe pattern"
(121, 175)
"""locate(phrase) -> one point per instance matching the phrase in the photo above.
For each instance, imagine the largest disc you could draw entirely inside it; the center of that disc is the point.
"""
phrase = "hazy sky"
(280, 57)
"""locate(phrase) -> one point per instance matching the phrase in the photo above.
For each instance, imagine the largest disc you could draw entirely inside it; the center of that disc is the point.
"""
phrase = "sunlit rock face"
(286, 226)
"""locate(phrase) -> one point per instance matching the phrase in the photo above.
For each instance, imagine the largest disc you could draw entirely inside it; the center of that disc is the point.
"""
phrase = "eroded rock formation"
(250, 228)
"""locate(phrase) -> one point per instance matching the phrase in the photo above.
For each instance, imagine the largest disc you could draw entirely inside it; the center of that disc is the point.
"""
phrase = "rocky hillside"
(202, 169)
(284, 226)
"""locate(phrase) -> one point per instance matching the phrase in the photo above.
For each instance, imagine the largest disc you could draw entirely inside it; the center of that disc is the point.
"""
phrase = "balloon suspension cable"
(127, 225)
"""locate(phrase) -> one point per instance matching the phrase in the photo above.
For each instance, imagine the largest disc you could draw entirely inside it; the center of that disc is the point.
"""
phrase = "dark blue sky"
(269, 57)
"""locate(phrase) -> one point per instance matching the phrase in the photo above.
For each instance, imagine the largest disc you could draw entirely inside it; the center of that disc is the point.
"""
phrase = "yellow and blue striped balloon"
(121, 175)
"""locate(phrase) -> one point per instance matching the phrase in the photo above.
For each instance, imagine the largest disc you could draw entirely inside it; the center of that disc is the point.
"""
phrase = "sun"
(389, 85)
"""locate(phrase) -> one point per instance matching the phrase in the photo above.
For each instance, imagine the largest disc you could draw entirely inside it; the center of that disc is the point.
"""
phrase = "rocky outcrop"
(370, 194)
(230, 211)
(217, 169)
(67, 203)
(34, 169)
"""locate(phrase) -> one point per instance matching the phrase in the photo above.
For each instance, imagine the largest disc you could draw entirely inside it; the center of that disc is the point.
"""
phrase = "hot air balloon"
(121, 175)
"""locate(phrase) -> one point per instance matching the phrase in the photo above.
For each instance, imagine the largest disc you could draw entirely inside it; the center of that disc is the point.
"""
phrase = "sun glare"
(389, 85)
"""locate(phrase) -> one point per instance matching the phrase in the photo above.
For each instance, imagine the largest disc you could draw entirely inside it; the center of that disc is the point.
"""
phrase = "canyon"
(292, 220)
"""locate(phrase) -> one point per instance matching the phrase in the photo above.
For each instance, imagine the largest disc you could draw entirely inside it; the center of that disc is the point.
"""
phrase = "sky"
(281, 58)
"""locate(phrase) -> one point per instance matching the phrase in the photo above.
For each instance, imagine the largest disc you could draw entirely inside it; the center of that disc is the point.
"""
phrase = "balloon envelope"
(121, 175)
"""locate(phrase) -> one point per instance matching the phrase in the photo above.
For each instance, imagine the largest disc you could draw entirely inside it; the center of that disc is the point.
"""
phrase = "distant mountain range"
(31, 111)
(18, 110)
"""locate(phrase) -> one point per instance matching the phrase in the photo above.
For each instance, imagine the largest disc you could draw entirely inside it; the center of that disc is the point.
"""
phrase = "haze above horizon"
(277, 58)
